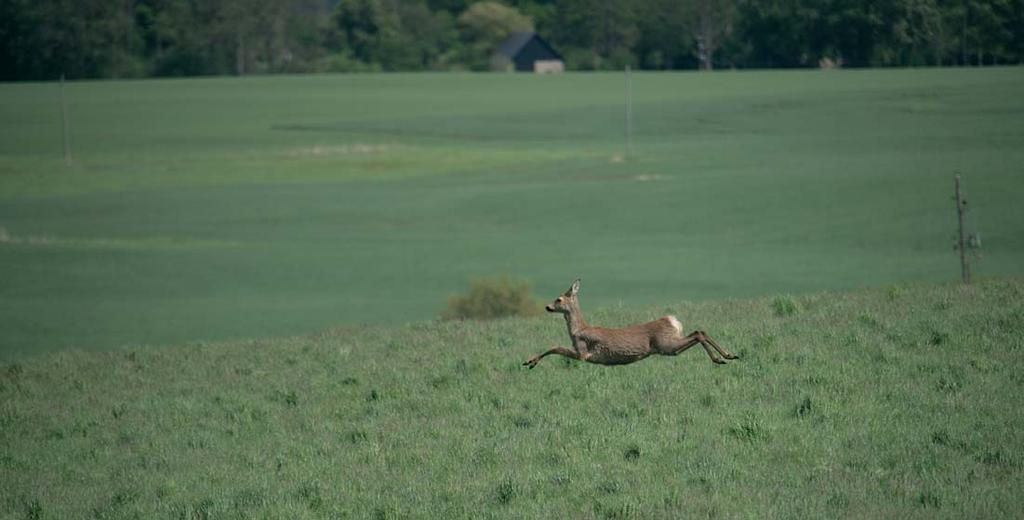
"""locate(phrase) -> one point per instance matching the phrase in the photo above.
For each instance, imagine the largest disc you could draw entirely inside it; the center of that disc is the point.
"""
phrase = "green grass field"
(209, 209)
(900, 402)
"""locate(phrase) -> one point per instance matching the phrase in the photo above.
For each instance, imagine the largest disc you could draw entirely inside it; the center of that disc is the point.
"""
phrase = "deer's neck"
(574, 320)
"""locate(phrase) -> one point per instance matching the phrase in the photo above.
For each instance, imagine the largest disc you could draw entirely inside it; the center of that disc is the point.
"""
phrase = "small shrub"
(33, 509)
(750, 430)
(356, 436)
(929, 499)
(894, 292)
(941, 437)
(124, 497)
(522, 421)
(938, 338)
(291, 398)
(344, 62)
(202, 510)
(609, 487)
(613, 509)
(868, 320)
(14, 370)
(784, 306)
(804, 408)
(310, 494)
(491, 298)
(947, 384)
(248, 499)
(953, 380)
(440, 382)
(838, 501)
(1012, 322)
(506, 491)
(632, 453)
(996, 457)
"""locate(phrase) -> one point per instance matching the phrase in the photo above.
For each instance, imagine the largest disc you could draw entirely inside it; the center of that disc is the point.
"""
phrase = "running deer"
(603, 346)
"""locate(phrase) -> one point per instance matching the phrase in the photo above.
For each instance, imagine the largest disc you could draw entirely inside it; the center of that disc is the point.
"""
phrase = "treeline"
(42, 39)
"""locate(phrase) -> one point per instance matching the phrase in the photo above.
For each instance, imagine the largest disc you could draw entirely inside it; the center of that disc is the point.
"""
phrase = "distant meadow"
(230, 208)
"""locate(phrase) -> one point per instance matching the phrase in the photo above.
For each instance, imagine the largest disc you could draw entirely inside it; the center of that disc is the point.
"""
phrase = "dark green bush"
(491, 298)
(784, 306)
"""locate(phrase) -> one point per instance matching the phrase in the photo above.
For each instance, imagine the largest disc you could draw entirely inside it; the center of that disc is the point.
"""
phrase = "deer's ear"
(575, 287)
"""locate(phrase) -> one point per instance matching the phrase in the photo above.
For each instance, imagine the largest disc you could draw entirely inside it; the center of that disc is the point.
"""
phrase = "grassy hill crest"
(897, 401)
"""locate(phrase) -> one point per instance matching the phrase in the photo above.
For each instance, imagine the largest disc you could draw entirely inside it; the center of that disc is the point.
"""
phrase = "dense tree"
(79, 38)
(712, 22)
(484, 25)
(988, 37)
(778, 33)
(42, 39)
(393, 34)
(20, 41)
(665, 35)
(596, 34)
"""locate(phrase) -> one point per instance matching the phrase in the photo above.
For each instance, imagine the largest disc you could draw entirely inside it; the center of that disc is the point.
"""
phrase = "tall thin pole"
(961, 208)
(67, 123)
(629, 115)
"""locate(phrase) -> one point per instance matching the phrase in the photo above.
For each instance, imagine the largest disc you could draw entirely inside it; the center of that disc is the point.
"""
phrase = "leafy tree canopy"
(135, 38)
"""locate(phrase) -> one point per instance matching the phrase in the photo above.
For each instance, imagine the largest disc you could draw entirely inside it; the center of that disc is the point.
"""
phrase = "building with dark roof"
(526, 52)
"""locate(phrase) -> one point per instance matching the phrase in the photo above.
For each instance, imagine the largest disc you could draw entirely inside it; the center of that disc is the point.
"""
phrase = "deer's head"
(566, 301)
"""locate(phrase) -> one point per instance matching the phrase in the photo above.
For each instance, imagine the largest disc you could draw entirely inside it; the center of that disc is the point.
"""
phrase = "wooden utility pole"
(961, 208)
(629, 115)
(66, 122)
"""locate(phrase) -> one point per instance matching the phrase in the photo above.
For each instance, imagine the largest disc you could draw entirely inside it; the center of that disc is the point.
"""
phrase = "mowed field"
(209, 209)
(900, 402)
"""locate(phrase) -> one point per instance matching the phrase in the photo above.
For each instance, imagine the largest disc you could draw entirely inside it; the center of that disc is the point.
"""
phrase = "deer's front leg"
(562, 351)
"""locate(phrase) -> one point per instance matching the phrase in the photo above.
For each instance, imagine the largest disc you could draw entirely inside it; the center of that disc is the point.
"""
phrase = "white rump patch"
(675, 324)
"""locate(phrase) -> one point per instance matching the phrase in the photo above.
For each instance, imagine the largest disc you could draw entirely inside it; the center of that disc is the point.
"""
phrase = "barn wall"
(531, 52)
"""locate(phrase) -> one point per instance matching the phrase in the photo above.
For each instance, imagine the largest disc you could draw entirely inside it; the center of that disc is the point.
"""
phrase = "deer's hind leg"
(721, 350)
(690, 340)
(712, 353)
(681, 345)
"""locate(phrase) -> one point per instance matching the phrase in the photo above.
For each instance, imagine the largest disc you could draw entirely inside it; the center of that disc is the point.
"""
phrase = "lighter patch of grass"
(50, 241)
(334, 150)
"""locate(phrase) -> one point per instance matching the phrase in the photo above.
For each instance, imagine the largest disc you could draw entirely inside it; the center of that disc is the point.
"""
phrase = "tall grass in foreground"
(897, 402)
